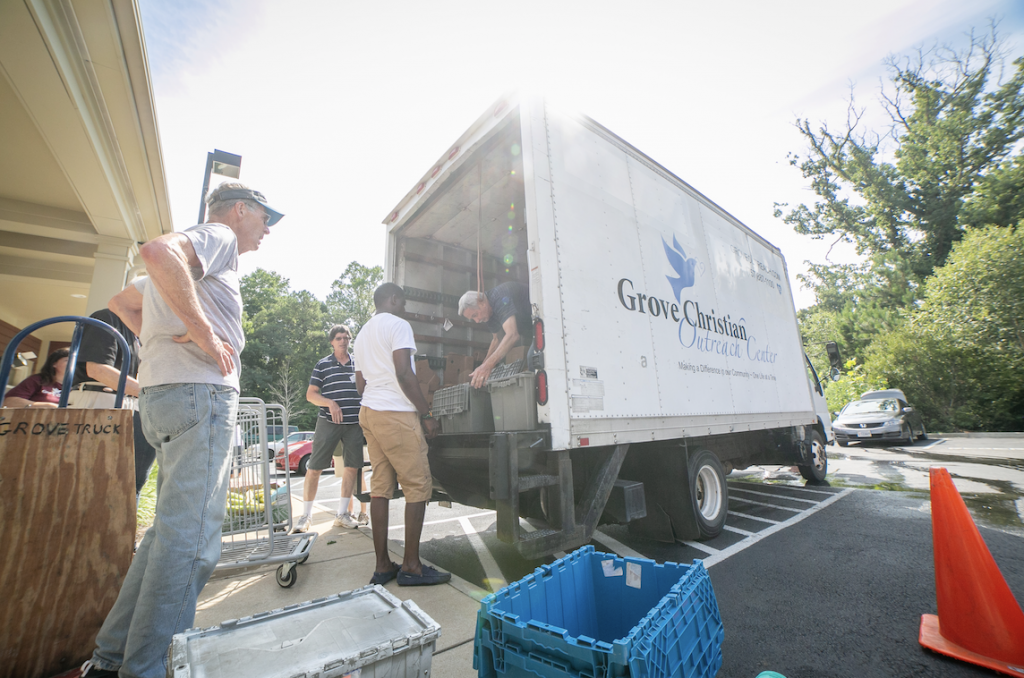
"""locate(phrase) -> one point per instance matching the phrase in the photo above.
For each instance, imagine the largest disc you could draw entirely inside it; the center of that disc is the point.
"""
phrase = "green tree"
(854, 381)
(351, 299)
(948, 159)
(903, 190)
(260, 289)
(960, 356)
(285, 336)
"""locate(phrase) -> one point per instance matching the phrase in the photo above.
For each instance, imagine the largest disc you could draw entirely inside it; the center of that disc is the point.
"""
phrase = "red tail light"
(538, 334)
(542, 388)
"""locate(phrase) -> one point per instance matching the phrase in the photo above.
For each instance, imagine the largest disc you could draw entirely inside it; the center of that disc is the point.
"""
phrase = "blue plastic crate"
(595, 615)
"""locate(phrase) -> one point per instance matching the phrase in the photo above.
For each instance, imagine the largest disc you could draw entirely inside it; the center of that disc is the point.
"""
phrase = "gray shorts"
(326, 437)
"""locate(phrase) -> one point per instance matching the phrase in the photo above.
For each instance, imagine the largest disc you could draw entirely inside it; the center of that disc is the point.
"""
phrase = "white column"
(113, 258)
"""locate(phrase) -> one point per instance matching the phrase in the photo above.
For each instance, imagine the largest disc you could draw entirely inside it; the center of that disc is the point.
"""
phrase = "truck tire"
(818, 468)
(709, 493)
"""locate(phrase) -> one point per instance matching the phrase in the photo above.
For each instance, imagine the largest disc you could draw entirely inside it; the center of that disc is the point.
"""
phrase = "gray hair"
(470, 300)
(216, 205)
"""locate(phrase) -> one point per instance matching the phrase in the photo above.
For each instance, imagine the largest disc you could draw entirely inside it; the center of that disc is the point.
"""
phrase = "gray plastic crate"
(514, 403)
(367, 631)
(463, 409)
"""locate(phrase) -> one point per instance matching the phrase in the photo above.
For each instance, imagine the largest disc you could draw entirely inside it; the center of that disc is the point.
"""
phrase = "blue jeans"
(191, 427)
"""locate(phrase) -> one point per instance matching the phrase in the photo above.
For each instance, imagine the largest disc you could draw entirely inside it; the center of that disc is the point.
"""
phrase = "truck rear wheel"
(818, 468)
(709, 493)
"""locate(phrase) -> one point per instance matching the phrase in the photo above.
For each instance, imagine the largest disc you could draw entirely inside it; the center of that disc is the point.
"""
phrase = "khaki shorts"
(397, 448)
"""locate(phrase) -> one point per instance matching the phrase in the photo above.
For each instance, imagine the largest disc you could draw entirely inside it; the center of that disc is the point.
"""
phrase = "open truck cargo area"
(664, 350)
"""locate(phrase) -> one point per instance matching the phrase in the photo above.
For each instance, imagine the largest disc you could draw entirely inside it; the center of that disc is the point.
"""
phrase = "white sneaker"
(302, 524)
(346, 520)
(363, 519)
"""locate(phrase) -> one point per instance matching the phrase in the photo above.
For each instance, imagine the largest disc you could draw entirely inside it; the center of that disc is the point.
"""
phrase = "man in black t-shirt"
(506, 309)
(96, 374)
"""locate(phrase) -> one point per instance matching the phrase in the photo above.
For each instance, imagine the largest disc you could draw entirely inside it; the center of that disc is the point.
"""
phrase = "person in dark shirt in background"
(43, 389)
(96, 376)
(506, 309)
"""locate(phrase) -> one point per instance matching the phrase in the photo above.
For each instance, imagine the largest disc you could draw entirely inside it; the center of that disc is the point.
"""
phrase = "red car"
(298, 458)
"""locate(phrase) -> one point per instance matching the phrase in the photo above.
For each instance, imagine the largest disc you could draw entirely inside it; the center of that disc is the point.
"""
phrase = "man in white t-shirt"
(394, 416)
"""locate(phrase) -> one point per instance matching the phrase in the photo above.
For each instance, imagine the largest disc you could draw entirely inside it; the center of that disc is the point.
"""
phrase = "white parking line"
(791, 487)
(750, 541)
(761, 503)
(445, 520)
(737, 530)
(774, 496)
(493, 577)
(740, 514)
(616, 546)
(701, 547)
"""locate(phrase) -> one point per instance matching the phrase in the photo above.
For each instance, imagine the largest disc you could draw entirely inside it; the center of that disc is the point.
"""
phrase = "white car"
(274, 448)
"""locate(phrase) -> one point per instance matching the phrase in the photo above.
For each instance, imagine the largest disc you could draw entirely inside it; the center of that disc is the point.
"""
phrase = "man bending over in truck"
(505, 309)
(394, 416)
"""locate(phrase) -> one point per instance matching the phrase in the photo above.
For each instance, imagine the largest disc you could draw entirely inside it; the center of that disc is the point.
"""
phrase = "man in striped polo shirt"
(333, 388)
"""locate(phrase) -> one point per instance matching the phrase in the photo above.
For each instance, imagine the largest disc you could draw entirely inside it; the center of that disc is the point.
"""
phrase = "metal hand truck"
(258, 520)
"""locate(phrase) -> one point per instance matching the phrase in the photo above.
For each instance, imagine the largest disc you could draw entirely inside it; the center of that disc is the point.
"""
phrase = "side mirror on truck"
(834, 359)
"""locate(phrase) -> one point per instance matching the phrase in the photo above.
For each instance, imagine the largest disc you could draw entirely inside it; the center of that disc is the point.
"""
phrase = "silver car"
(879, 416)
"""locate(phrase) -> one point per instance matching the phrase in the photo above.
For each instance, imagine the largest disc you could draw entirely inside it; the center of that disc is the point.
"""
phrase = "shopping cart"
(258, 521)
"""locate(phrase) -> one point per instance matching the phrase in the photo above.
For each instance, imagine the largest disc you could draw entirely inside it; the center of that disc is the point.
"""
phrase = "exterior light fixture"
(219, 162)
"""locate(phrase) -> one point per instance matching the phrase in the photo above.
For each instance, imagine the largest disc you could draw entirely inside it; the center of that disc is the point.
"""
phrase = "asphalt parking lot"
(811, 580)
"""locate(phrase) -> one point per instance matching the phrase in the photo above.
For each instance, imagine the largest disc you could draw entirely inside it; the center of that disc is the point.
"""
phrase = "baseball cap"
(247, 194)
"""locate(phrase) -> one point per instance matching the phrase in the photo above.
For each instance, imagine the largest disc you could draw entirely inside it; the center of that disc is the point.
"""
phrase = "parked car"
(293, 438)
(276, 432)
(879, 415)
(298, 457)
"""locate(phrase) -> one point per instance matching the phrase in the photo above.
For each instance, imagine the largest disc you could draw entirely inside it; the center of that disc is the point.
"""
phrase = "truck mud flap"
(570, 523)
(663, 471)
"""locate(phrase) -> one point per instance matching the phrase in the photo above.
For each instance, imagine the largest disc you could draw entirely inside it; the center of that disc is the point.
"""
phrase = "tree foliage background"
(286, 333)
(932, 202)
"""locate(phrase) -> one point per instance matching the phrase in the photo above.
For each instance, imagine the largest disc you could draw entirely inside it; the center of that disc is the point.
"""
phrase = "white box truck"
(664, 351)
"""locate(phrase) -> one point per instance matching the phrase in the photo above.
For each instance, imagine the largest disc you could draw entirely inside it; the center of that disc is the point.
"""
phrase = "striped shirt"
(338, 382)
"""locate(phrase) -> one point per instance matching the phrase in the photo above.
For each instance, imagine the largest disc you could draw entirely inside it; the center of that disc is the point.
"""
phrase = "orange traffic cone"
(981, 622)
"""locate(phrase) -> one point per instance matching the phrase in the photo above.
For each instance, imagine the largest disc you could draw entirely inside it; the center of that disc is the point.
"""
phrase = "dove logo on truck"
(695, 326)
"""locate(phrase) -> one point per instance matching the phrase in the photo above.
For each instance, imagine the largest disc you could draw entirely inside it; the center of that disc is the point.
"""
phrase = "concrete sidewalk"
(341, 560)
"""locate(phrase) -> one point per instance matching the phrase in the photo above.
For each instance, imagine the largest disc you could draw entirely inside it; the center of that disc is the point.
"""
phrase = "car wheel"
(818, 468)
(909, 438)
(924, 434)
(709, 493)
(303, 465)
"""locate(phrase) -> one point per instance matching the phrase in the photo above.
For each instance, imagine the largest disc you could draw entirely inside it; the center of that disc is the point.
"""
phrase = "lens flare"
(509, 259)
(515, 149)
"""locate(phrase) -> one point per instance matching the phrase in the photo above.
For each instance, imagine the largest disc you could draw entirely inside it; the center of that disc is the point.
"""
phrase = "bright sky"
(338, 108)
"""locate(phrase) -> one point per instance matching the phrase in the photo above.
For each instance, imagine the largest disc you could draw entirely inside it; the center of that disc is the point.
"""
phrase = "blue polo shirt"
(338, 382)
(507, 300)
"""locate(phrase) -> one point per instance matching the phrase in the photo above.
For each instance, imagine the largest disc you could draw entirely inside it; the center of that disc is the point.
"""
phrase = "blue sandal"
(428, 577)
(384, 577)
